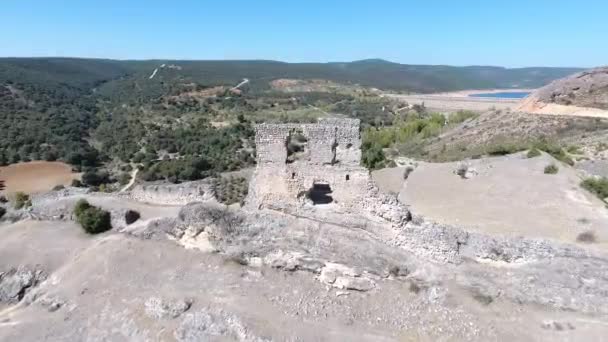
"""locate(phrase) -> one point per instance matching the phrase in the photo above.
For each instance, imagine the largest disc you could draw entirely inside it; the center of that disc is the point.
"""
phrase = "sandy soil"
(455, 103)
(36, 176)
(533, 106)
(511, 195)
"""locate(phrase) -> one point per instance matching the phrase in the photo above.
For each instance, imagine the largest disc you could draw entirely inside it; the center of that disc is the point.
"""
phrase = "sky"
(514, 33)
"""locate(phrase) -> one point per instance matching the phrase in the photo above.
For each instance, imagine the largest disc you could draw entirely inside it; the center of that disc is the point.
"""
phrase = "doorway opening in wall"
(320, 193)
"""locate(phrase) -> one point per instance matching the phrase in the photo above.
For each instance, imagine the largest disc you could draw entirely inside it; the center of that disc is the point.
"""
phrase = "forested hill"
(372, 73)
(88, 111)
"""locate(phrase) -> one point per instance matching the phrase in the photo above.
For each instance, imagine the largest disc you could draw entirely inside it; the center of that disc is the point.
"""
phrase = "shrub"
(22, 200)
(504, 149)
(551, 169)
(597, 186)
(533, 152)
(2, 212)
(58, 187)
(586, 237)
(131, 216)
(461, 116)
(373, 158)
(3, 199)
(76, 183)
(81, 206)
(92, 219)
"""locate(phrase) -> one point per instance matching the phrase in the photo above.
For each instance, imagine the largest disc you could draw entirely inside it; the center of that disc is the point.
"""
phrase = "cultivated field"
(36, 176)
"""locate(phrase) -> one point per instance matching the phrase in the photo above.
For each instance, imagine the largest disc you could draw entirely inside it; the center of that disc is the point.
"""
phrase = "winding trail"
(132, 181)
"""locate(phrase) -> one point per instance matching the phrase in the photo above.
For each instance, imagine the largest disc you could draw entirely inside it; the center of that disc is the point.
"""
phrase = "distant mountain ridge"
(375, 73)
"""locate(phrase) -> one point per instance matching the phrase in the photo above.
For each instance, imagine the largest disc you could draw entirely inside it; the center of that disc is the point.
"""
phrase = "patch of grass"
(503, 149)
(597, 186)
(22, 200)
(573, 149)
(229, 190)
(555, 150)
(533, 152)
(586, 237)
(461, 116)
(551, 169)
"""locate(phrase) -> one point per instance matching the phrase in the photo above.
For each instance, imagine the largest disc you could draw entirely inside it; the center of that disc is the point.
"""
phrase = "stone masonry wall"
(333, 153)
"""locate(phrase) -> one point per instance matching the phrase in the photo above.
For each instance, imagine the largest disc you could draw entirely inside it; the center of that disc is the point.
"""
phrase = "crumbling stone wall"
(173, 194)
(332, 157)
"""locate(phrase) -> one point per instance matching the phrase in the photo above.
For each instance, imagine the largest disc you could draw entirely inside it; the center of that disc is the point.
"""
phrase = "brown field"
(36, 176)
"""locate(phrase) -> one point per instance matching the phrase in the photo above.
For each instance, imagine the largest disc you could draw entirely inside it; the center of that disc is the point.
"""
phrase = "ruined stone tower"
(306, 167)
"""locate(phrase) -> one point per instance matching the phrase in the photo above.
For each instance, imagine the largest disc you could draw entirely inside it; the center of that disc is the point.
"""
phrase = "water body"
(503, 95)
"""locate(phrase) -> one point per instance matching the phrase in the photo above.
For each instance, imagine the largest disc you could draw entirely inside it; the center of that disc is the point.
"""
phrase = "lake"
(504, 95)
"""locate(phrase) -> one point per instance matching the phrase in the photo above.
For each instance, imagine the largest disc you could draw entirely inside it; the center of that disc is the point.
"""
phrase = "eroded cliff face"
(584, 93)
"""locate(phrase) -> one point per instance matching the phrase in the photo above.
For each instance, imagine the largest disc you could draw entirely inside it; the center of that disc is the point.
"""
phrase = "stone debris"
(209, 324)
(161, 308)
(16, 282)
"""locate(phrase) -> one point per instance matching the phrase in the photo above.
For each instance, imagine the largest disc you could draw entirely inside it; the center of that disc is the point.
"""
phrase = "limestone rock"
(160, 308)
(15, 283)
(357, 284)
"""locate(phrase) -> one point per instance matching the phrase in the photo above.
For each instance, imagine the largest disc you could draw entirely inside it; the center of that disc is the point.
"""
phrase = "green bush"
(551, 169)
(92, 219)
(533, 152)
(22, 200)
(373, 157)
(597, 186)
(81, 206)
(2, 212)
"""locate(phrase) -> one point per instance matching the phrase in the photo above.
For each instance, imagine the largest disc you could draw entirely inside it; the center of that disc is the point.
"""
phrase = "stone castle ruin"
(315, 169)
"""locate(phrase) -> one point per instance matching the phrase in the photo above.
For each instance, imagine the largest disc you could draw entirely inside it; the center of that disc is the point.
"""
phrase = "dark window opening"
(347, 177)
(349, 145)
(320, 193)
(293, 175)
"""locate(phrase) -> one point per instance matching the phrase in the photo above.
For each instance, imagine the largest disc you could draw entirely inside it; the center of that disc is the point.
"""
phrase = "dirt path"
(132, 181)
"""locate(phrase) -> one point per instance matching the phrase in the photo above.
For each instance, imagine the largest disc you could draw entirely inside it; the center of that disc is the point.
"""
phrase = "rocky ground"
(582, 94)
(209, 272)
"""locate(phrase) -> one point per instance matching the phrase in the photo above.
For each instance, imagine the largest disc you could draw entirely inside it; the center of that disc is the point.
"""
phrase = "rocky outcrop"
(160, 308)
(16, 282)
(584, 94)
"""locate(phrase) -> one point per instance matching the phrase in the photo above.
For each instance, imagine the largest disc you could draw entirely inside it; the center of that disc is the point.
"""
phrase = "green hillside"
(182, 122)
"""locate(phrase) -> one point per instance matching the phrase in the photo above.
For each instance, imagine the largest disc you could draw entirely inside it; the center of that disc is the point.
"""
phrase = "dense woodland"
(185, 123)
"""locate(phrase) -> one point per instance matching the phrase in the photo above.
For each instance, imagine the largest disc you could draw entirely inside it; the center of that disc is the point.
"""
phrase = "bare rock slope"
(584, 94)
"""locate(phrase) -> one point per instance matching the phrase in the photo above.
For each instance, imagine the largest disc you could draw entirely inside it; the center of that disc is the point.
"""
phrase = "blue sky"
(492, 32)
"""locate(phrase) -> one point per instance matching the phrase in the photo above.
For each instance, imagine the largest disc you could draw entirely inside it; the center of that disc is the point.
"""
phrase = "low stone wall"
(173, 194)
